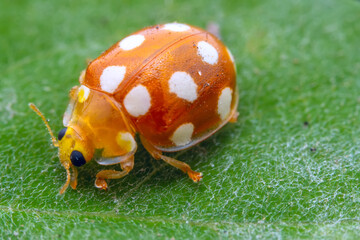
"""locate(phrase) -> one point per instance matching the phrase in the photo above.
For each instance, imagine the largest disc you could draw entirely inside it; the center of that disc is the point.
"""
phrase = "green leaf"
(271, 175)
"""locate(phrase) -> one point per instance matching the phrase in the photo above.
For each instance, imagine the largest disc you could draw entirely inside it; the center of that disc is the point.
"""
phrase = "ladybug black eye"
(77, 158)
(62, 133)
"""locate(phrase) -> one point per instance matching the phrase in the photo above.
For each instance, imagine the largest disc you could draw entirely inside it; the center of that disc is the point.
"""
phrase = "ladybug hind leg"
(101, 176)
(234, 117)
(195, 176)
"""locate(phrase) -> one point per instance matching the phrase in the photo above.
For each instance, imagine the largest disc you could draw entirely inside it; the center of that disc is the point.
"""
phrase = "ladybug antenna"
(37, 111)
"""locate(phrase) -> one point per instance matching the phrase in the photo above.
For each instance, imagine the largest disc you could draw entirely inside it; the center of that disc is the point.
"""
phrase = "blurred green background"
(288, 169)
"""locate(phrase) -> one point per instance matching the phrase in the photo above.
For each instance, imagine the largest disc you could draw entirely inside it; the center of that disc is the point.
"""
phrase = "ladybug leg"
(82, 77)
(73, 178)
(73, 93)
(195, 176)
(101, 176)
(234, 117)
(214, 28)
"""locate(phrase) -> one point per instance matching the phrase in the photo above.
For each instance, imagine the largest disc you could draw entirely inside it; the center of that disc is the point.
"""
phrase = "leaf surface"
(288, 169)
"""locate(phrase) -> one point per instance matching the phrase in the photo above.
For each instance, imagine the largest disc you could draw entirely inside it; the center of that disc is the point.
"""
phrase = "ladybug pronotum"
(173, 84)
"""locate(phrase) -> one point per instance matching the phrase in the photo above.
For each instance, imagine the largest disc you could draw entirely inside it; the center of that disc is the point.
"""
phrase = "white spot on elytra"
(138, 101)
(182, 84)
(131, 42)
(207, 52)
(199, 73)
(224, 103)
(183, 134)
(111, 77)
(176, 27)
(83, 93)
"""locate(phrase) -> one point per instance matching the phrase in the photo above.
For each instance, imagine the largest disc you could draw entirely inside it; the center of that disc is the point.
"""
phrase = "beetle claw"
(195, 176)
(101, 184)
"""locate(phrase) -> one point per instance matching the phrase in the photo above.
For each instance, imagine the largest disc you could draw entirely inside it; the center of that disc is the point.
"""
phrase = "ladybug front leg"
(195, 176)
(73, 178)
(101, 176)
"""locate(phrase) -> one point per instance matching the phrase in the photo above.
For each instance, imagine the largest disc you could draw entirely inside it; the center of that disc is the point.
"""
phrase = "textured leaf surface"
(288, 169)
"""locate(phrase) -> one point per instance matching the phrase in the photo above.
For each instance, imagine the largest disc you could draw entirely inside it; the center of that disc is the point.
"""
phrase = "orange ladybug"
(173, 84)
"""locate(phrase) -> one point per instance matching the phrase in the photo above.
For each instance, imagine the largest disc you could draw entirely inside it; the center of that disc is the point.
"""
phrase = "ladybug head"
(75, 148)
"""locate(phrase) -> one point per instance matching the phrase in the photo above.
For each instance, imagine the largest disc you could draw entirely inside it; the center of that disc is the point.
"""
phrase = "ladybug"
(173, 84)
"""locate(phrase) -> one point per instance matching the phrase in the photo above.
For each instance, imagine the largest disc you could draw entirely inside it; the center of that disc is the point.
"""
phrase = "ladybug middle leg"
(195, 176)
(101, 176)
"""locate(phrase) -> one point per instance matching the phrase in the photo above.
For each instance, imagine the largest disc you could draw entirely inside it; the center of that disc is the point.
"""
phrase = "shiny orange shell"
(176, 83)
